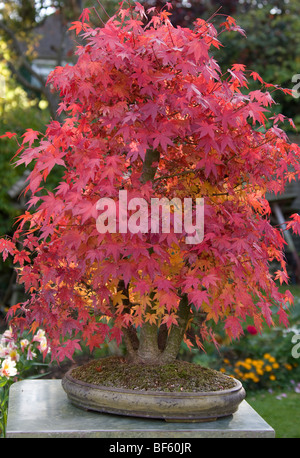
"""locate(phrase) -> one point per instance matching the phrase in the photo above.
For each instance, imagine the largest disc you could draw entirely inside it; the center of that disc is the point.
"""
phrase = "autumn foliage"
(148, 110)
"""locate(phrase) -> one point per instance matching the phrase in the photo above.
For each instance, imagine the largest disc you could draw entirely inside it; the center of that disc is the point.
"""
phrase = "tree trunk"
(155, 344)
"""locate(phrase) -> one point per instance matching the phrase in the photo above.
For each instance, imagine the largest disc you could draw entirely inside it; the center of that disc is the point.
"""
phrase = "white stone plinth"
(40, 408)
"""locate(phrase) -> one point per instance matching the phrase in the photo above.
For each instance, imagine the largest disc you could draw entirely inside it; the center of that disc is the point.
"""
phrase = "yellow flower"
(226, 361)
(288, 366)
(222, 369)
(248, 360)
(259, 372)
(267, 356)
(275, 365)
(272, 377)
(272, 359)
(268, 368)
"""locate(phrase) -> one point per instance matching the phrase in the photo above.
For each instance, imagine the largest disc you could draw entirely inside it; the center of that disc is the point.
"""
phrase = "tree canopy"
(148, 110)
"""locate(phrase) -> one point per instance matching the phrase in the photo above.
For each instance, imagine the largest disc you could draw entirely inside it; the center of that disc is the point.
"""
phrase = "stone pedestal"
(40, 408)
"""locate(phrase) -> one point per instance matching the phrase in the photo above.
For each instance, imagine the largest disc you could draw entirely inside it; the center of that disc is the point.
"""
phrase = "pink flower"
(8, 336)
(30, 354)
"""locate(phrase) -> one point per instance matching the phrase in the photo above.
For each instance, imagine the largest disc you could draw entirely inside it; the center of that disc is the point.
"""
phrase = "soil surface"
(174, 377)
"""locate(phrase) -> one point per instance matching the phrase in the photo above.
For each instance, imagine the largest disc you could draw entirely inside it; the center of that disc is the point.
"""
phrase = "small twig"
(215, 14)
(98, 16)
(166, 177)
(103, 9)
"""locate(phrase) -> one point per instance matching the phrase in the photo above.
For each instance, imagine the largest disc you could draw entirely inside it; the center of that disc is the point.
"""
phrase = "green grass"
(283, 414)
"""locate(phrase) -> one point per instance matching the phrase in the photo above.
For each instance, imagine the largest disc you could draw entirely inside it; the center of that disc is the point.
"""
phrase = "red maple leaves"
(138, 88)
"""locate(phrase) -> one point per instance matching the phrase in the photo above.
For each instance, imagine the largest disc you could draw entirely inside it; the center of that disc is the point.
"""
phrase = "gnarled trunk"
(156, 344)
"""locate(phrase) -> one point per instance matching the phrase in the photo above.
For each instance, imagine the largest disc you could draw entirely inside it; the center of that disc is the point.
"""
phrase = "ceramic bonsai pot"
(170, 406)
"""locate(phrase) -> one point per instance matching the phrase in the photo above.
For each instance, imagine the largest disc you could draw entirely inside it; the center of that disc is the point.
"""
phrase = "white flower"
(41, 338)
(3, 351)
(8, 368)
(24, 343)
(39, 335)
(43, 345)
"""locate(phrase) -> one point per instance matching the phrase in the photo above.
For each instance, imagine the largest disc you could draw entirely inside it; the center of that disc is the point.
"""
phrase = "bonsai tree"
(149, 115)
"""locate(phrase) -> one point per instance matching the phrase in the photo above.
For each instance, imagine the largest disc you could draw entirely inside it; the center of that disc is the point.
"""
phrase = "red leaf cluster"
(136, 89)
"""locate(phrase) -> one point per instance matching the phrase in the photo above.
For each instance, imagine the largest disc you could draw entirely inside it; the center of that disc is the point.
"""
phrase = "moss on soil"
(177, 376)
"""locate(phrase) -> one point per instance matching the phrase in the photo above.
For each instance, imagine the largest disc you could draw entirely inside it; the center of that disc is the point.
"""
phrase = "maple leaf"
(266, 311)
(294, 224)
(151, 318)
(256, 76)
(283, 317)
(230, 24)
(30, 136)
(188, 343)
(140, 9)
(118, 297)
(198, 48)
(7, 247)
(85, 15)
(116, 334)
(8, 135)
(282, 276)
(170, 320)
(21, 257)
(288, 297)
(162, 139)
(29, 278)
(191, 282)
(210, 279)
(77, 26)
(197, 297)
(68, 349)
(233, 327)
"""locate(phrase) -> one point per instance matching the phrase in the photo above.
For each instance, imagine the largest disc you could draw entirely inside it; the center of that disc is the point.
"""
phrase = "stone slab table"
(41, 409)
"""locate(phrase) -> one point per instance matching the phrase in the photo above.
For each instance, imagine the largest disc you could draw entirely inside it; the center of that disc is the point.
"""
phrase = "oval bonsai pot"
(170, 406)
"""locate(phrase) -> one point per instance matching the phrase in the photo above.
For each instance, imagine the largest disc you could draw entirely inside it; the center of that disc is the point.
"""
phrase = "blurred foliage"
(263, 360)
(18, 113)
(272, 48)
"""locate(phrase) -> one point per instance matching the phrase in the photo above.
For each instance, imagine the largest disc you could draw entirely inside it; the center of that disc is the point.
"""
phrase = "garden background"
(34, 38)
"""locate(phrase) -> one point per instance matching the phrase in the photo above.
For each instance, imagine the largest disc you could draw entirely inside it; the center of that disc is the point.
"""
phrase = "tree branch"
(19, 51)
(39, 89)
(21, 78)
(150, 165)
